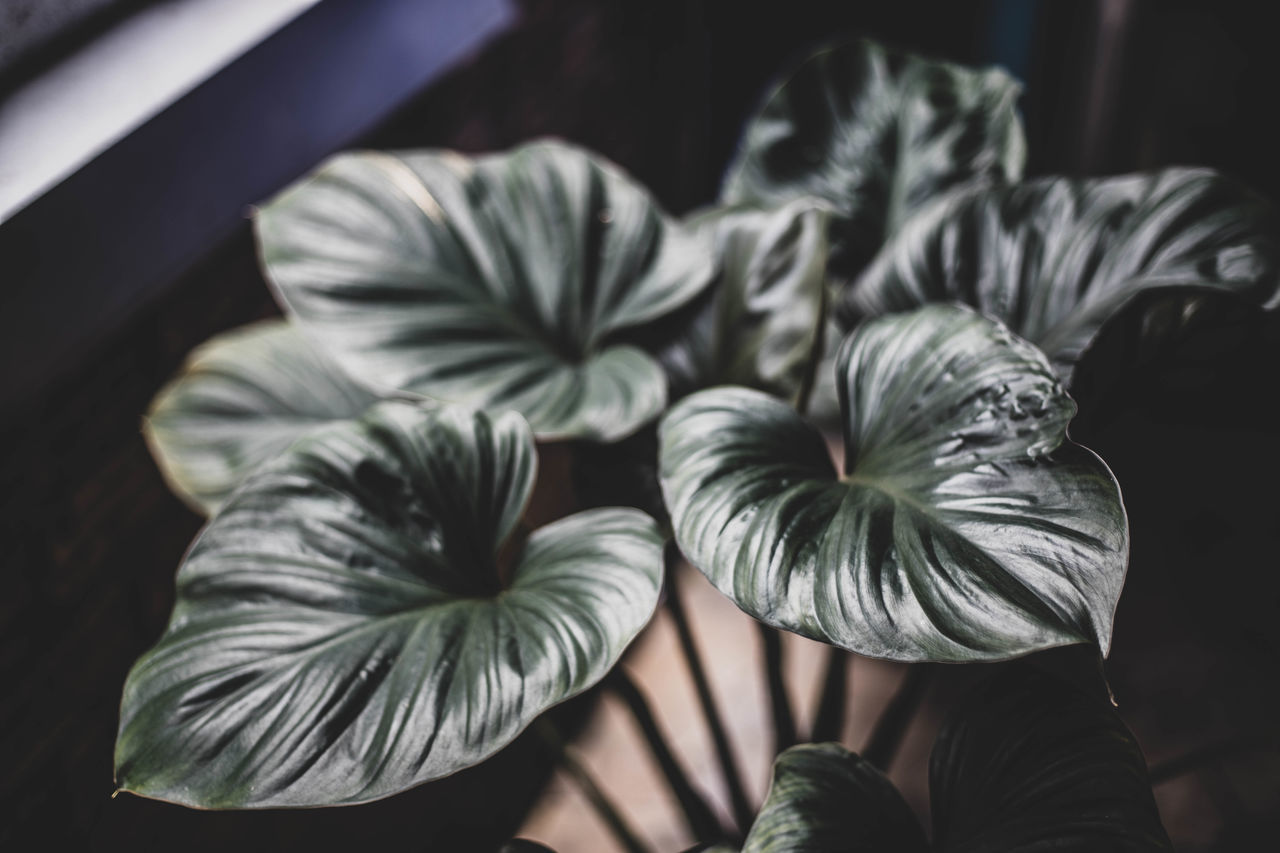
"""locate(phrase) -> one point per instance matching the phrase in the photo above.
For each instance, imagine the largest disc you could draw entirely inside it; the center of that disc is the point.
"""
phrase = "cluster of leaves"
(1029, 762)
(366, 609)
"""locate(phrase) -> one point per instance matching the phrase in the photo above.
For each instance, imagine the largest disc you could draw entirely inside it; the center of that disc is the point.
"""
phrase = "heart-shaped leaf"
(965, 526)
(878, 134)
(1057, 258)
(756, 325)
(240, 400)
(502, 281)
(824, 799)
(345, 629)
(1033, 764)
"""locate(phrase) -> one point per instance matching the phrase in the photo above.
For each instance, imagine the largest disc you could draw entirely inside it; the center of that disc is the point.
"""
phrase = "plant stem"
(784, 722)
(829, 721)
(815, 358)
(887, 734)
(612, 818)
(697, 814)
(742, 812)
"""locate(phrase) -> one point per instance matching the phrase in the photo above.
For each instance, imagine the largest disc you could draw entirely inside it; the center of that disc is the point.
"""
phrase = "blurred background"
(135, 135)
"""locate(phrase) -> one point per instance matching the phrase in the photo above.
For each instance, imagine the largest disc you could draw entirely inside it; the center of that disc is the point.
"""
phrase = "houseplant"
(387, 590)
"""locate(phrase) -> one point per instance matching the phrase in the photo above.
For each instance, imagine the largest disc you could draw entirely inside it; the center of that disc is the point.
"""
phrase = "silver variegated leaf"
(345, 627)
(757, 323)
(878, 134)
(965, 526)
(240, 400)
(502, 281)
(1056, 258)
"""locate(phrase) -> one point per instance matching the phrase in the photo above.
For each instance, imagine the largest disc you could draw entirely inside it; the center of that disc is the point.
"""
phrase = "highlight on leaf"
(240, 400)
(965, 525)
(505, 281)
(345, 627)
(1057, 258)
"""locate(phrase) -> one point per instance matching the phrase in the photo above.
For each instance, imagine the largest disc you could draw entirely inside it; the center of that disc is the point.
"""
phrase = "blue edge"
(81, 260)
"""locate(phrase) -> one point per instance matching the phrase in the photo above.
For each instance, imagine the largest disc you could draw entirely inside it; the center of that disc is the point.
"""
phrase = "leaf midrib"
(892, 491)
(570, 353)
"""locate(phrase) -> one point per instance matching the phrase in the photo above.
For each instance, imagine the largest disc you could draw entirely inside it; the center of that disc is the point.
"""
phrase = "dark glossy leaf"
(240, 400)
(965, 527)
(756, 326)
(824, 799)
(1032, 764)
(1029, 764)
(878, 134)
(500, 282)
(1057, 258)
(344, 628)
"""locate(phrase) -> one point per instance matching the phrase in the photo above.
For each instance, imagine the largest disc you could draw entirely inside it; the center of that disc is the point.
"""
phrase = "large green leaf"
(1032, 764)
(757, 323)
(878, 134)
(502, 281)
(240, 400)
(965, 527)
(1056, 258)
(824, 799)
(345, 629)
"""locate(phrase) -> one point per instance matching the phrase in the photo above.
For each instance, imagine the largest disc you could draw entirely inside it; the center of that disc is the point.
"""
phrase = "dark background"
(662, 87)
